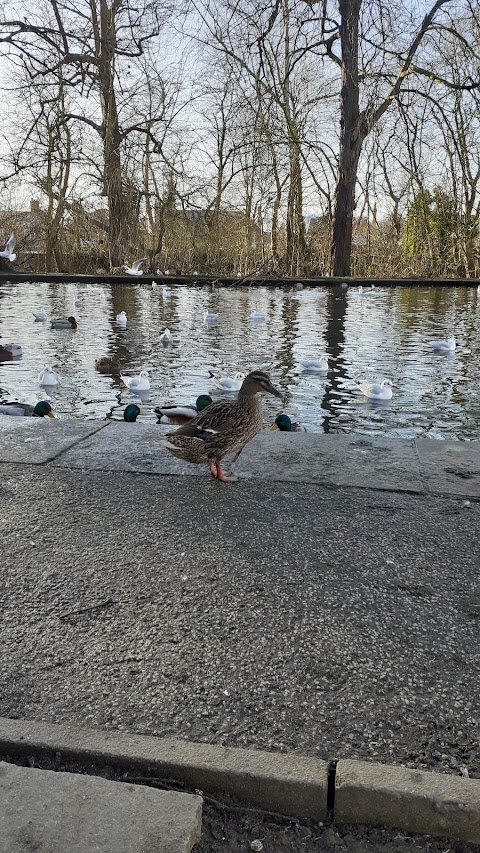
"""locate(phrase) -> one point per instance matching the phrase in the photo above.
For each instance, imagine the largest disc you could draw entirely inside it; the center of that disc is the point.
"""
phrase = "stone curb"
(291, 785)
(365, 792)
(413, 800)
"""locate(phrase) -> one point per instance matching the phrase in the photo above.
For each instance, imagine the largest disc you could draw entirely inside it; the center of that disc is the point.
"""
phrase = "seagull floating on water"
(40, 315)
(166, 291)
(444, 346)
(121, 318)
(135, 269)
(8, 250)
(227, 383)
(376, 390)
(166, 337)
(137, 383)
(208, 317)
(257, 315)
(314, 365)
(48, 377)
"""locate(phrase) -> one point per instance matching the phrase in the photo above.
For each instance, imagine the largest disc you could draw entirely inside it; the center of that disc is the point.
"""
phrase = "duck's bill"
(274, 391)
(274, 426)
(51, 415)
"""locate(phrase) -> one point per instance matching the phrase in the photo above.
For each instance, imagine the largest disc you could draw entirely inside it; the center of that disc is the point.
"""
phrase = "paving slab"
(408, 799)
(450, 467)
(39, 440)
(128, 447)
(293, 784)
(340, 460)
(59, 812)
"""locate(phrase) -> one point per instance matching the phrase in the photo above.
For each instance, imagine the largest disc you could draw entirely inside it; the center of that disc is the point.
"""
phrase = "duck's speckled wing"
(217, 416)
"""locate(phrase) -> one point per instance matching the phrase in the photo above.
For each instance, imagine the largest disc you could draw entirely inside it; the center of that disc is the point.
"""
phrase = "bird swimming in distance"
(223, 427)
(376, 390)
(135, 269)
(10, 351)
(121, 318)
(40, 315)
(137, 383)
(8, 252)
(285, 424)
(315, 365)
(227, 383)
(131, 413)
(40, 410)
(64, 323)
(209, 317)
(257, 315)
(166, 337)
(444, 346)
(182, 414)
(107, 364)
(48, 376)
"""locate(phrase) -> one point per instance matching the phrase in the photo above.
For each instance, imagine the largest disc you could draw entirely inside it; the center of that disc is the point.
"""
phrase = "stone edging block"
(290, 784)
(413, 800)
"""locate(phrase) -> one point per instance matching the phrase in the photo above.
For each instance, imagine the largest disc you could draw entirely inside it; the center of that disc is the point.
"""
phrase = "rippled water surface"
(382, 334)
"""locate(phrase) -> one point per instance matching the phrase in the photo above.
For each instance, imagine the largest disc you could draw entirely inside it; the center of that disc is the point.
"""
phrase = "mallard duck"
(135, 268)
(137, 383)
(64, 323)
(9, 351)
(8, 250)
(40, 315)
(223, 427)
(182, 414)
(444, 346)
(314, 365)
(107, 364)
(227, 383)
(376, 390)
(131, 413)
(121, 318)
(284, 424)
(41, 409)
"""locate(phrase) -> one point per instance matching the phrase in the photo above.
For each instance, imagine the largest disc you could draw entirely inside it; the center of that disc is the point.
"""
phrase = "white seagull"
(48, 377)
(376, 390)
(121, 318)
(166, 337)
(137, 383)
(208, 317)
(40, 315)
(257, 315)
(444, 346)
(314, 365)
(8, 250)
(227, 383)
(135, 268)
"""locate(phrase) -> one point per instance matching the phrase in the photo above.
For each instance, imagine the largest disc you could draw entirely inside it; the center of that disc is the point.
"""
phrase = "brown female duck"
(223, 427)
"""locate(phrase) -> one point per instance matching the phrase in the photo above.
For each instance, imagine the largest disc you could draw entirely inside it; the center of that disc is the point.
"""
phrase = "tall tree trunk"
(352, 134)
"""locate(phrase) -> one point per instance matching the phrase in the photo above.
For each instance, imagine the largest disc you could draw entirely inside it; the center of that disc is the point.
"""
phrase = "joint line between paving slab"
(73, 444)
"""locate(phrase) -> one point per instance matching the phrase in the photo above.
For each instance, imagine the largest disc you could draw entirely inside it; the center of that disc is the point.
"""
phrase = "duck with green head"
(64, 323)
(182, 414)
(285, 424)
(40, 410)
(131, 413)
(223, 427)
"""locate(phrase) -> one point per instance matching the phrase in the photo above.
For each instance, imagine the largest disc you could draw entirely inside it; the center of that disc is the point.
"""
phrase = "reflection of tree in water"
(335, 340)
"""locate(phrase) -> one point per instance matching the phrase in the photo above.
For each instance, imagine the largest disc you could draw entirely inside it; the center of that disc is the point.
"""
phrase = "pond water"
(369, 336)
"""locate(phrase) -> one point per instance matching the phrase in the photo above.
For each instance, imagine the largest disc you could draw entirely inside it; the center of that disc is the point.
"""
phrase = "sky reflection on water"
(384, 334)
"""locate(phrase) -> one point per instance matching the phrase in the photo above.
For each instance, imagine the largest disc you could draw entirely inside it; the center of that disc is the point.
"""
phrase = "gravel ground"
(231, 827)
(332, 622)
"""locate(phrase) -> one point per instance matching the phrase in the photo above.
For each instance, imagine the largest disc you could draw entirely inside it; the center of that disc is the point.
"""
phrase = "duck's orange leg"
(213, 469)
(221, 475)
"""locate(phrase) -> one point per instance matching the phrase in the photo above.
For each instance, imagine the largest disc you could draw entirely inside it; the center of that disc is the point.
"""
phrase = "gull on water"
(137, 383)
(227, 383)
(40, 315)
(376, 390)
(444, 346)
(48, 377)
(121, 318)
(314, 365)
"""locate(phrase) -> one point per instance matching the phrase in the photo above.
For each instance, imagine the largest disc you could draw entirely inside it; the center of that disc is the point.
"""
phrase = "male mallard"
(9, 351)
(131, 413)
(223, 427)
(41, 410)
(284, 424)
(182, 414)
(64, 323)
(107, 364)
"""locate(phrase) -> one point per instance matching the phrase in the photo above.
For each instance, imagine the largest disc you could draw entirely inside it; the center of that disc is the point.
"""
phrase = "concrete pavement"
(327, 604)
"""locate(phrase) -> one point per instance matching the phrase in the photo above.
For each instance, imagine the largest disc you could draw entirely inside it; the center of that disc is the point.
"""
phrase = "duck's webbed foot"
(213, 469)
(223, 476)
